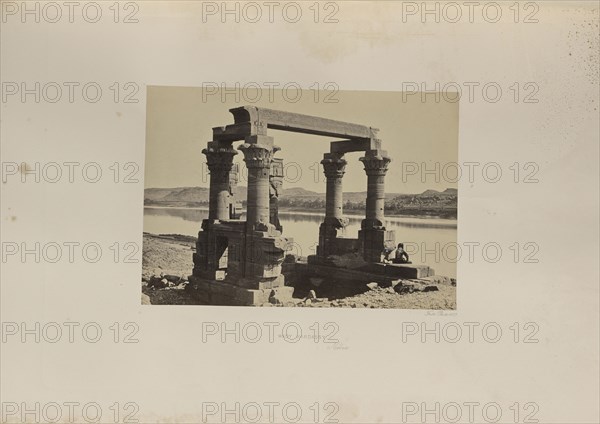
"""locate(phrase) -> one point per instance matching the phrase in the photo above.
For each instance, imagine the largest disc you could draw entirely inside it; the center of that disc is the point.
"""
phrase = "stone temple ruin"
(241, 262)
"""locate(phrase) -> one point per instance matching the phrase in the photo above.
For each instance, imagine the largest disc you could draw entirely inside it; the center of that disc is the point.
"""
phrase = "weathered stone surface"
(376, 164)
(258, 155)
(256, 284)
(253, 120)
(315, 281)
(334, 166)
(221, 293)
(220, 162)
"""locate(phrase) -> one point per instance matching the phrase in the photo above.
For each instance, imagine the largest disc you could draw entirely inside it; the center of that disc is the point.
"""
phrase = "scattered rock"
(307, 302)
(172, 278)
(430, 288)
(437, 279)
(157, 282)
(279, 298)
(145, 299)
(312, 294)
(372, 286)
(404, 288)
(396, 282)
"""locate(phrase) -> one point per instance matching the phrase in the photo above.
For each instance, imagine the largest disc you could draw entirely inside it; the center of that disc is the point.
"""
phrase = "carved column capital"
(219, 158)
(256, 155)
(334, 165)
(376, 162)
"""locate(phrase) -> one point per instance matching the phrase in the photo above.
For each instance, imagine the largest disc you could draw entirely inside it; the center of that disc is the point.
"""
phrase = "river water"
(429, 241)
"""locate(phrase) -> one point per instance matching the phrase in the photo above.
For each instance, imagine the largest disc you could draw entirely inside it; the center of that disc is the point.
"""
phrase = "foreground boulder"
(412, 287)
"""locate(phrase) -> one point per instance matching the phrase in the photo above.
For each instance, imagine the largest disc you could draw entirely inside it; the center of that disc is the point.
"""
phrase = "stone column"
(219, 158)
(258, 156)
(376, 165)
(334, 166)
(334, 224)
(373, 236)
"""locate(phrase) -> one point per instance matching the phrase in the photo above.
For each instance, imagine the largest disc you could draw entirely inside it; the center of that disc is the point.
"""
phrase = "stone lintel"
(233, 132)
(347, 146)
(250, 120)
(257, 120)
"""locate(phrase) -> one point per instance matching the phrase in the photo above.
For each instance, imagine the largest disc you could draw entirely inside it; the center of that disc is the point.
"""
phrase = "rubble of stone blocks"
(165, 281)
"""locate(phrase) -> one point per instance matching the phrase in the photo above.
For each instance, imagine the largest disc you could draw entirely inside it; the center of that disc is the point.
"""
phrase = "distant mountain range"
(177, 194)
(200, 194)
(432, 203)
(433, 193)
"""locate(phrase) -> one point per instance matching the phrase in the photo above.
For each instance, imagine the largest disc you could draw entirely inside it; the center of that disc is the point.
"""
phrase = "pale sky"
(180, 122)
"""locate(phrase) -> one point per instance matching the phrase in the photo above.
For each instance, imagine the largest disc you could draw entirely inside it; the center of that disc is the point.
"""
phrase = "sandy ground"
(172, 255)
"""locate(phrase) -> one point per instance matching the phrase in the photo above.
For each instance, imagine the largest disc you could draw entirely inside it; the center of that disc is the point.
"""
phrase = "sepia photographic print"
(300, 204)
